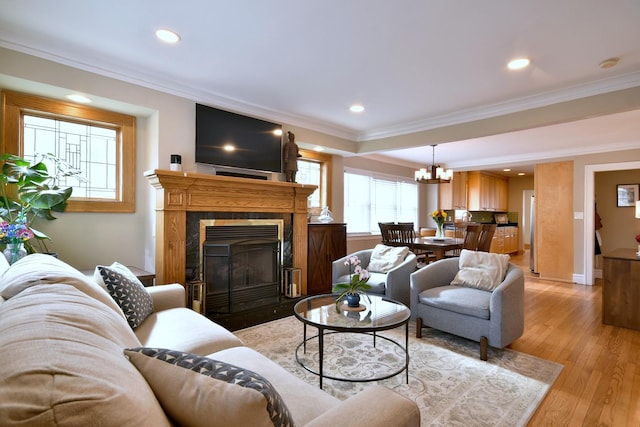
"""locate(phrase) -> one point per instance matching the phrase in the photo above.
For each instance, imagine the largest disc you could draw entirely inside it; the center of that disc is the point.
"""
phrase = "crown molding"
(575, 92)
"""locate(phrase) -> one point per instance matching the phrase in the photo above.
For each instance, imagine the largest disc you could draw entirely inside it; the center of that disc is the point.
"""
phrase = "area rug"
(447, 380)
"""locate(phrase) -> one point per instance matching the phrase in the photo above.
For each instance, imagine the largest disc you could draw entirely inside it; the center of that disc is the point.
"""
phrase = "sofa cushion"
(4, 264)
(41, 269)
(305, 401)
(167, 329)
(134, 301)
(385, 258)
(481, 270)
(469, 301)
(193, 389)
(62, 363)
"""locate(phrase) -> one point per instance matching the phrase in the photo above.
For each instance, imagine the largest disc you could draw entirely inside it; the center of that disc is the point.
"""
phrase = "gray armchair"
(393, 284)
(492, 318)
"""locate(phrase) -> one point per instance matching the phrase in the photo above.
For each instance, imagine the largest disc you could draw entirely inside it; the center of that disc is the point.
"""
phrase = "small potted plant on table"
(357, 285)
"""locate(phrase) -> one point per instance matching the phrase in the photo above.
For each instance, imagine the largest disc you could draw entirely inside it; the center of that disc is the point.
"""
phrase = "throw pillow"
(481, 270)
(198, 391)
(120, 268)
(385, 258)
(134, 301)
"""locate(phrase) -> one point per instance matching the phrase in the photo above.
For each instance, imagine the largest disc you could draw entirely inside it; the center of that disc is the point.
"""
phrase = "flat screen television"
(257, 144)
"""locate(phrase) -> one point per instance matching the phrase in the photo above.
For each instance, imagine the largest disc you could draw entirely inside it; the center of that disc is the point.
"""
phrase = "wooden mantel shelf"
(182, 192)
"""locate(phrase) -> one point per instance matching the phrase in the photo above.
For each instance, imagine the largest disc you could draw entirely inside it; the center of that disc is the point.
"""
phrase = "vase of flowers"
(357, 285)
(14, 235)
(439, 216)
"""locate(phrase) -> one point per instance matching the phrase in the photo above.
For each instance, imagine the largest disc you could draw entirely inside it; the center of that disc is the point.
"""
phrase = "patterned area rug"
(447, 380)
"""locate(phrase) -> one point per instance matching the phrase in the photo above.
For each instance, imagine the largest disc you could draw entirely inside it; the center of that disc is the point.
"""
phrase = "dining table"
(436, 245)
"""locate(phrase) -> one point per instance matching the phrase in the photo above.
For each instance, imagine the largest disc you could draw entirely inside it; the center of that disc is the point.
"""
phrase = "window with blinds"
(369, 199)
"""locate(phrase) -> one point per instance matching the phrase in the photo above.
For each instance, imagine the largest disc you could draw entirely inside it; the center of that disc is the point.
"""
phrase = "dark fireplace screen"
(241, 272)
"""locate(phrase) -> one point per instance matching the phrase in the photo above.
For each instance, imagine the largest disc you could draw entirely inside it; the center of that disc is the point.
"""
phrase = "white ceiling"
(413, 64)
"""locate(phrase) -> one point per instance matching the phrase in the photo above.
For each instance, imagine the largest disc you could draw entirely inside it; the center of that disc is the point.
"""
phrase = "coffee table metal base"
(320, 338)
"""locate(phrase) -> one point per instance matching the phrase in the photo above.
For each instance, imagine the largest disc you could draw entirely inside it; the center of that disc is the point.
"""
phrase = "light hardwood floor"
(600, 382)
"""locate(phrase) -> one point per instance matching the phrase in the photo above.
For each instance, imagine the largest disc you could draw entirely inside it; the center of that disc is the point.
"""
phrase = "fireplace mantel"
(181, 192)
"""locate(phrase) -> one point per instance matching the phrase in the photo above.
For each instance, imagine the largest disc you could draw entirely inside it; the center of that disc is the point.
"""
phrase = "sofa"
(70, 357)
(389, 269)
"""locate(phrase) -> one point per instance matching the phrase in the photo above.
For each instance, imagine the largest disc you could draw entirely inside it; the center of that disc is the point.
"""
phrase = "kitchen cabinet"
(487, 192)
(505, 240)
(454, 194)
(326, 243)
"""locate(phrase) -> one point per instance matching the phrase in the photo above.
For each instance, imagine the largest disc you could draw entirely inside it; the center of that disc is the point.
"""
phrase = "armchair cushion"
(385, 258)
(481, 270)
(472, 302)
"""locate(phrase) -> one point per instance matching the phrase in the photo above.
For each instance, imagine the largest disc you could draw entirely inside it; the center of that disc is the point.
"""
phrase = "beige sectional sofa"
(62, 343)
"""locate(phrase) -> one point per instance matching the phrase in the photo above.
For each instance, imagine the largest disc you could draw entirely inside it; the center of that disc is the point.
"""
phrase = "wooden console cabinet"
(327, 242)
(621, 290)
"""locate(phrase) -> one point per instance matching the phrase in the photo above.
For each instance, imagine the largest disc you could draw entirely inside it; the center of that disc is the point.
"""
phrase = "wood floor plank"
(600, 382)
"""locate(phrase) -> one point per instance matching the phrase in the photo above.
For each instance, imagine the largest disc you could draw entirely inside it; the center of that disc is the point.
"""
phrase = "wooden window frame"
(325, 173)
(16, 104)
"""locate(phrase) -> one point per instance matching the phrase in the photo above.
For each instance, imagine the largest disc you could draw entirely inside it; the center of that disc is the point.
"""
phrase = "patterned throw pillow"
(134, 301)
(210, 392)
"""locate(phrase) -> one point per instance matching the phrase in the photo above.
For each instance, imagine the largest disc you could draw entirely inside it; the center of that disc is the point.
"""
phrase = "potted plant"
(29, 191)
(357, 285)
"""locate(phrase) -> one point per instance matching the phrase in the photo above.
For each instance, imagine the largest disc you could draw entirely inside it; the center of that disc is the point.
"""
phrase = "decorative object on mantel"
(176, 163)
(325, 215)
(435, 174)
(439, 216)
(638, 240)
(357, 285)
(28, 191)
(290, 154)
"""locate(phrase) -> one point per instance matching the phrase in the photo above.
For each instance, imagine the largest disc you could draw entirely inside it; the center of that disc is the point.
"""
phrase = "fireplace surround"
(181, 193)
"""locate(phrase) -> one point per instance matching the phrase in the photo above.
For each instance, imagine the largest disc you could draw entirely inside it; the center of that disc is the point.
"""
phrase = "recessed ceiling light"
(506, 170)
(357, 108)
(168, 36)
(318, 148)
(519, 63)
(608, 63)
(78, 98)
(521, 173)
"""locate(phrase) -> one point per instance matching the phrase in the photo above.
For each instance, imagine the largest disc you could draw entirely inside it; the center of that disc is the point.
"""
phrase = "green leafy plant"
(358, 278)
(29, 191)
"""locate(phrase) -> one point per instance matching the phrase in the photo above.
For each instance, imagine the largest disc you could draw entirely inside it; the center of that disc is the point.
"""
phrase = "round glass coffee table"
(378, 314)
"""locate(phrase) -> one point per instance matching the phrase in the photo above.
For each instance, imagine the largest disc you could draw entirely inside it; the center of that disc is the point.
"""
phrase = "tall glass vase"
(14, 251)
(440, 231)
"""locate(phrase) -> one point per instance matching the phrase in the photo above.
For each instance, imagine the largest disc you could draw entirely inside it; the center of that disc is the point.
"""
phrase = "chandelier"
(435, 174)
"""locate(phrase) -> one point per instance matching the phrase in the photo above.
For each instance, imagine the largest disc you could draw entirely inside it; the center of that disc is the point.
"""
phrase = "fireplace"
(241, 263)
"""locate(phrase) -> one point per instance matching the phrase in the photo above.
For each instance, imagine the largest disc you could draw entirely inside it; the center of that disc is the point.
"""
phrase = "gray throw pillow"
(134, 301)
(199, 391)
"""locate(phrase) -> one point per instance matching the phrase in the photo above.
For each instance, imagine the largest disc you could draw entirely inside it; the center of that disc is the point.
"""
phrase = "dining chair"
(470, 242)
(486, 237)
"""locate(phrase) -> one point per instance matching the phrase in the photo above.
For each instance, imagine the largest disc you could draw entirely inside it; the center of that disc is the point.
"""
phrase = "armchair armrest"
(398, 279)
(167, 296)
(506, 308)
(384, 408)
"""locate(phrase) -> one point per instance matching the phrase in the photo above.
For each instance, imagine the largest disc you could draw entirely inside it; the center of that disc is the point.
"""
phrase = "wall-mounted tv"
(257, 144)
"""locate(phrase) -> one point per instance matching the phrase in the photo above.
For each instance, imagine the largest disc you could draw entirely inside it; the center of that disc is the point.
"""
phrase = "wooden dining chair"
(486, 236)
(470, 242)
